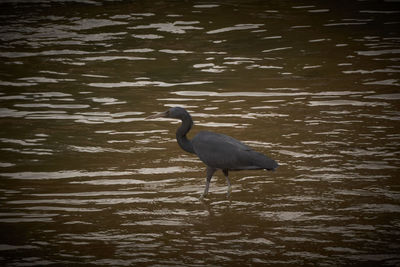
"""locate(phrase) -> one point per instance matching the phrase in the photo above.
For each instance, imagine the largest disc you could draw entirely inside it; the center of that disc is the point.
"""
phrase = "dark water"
(84, 179)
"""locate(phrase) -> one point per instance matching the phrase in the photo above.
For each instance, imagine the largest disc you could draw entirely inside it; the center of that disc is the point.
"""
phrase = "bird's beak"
(158, 115)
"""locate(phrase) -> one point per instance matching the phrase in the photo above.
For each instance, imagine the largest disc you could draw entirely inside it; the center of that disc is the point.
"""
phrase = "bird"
(216, 151)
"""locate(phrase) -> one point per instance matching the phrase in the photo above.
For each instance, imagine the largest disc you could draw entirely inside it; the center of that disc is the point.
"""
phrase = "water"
(84, 179)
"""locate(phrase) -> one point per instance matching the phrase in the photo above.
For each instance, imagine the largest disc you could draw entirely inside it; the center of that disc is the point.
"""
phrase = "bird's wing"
(222, 151)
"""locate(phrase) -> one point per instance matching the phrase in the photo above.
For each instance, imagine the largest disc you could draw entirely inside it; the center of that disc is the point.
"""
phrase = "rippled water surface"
(85, 179)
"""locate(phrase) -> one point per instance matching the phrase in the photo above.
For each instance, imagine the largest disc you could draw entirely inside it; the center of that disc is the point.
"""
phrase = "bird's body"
(217, 151)
(223, 152)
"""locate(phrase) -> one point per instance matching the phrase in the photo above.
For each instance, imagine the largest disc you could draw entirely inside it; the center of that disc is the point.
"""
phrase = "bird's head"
(173, 113)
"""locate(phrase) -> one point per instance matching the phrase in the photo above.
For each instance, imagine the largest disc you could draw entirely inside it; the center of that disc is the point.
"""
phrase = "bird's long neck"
(181, 132)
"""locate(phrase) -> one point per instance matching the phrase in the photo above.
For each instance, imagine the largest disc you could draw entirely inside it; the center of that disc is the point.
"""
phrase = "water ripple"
(82, 169)
(236, 27)
(146, 83)
(178, 27)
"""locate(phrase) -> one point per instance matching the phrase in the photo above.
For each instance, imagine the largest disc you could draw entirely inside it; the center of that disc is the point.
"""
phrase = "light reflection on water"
(86, 179)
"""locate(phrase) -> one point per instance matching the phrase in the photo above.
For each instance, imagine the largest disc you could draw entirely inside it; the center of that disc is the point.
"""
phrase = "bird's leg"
(210, 172)
(229, 183)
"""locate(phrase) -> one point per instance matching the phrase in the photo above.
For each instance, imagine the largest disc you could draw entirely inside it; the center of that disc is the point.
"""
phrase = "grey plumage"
(217, 151)
(223, 152)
